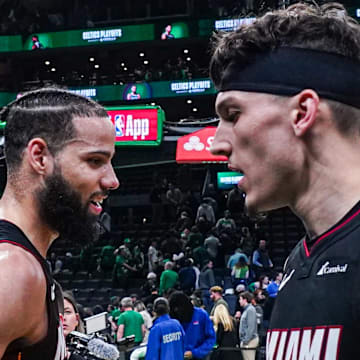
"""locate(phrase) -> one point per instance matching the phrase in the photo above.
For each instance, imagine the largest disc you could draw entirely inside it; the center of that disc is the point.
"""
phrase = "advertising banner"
(195, 148)
(138, 125)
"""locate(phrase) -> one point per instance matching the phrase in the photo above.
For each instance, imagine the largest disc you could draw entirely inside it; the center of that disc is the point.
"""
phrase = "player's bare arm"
(23, 314)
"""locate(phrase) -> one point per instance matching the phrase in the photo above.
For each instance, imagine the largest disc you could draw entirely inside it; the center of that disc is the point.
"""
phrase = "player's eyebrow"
(105, 153)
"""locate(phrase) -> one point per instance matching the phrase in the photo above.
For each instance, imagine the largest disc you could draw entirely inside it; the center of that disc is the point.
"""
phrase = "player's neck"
(328, 201)
(329, 182)
(23, 213)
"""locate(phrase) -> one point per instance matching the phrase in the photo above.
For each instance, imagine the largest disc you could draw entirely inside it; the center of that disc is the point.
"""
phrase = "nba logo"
(119, 124)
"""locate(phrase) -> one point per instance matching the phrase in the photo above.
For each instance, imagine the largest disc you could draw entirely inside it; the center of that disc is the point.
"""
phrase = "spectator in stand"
(273, 286)
(199, 331)
(139, 307)
(226, 224)
(107, 258)
(187, 278)
(183, 222)
(240, 273)
(235, 203)
(261, 261)
(154, 294)
(171, 244)
(130, 322)
(152, 256)
(217, 298)
(168, 278)
(258, 302)
(150, 282)
(247, 240)
(195, 238)
(212, 244)
(138, 258)
(207, 211)
(197, 273)
(226, 334)
(201, 256)
(262, 283)
(203, 225)
(249, 339)
(174, 197)
(122, 269)
(206, 281)
(272, 291)
(55, 263)
(114, 312)
(234, 259)
(167, 337)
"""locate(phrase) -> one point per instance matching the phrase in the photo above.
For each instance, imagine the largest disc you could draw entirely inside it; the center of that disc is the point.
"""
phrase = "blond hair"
(221, 315)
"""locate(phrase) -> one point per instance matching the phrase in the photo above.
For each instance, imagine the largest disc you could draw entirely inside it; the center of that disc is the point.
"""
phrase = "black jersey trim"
(330, 232)
(23, 247)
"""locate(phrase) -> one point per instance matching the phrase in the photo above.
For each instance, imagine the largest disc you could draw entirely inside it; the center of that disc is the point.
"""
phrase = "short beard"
(61, 208)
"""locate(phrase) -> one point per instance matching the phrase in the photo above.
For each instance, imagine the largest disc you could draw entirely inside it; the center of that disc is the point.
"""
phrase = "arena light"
(186, 51)
(146, 62)
(195, 109)
(189, 101)
(141, 54)
(91, 59)
(96, 66)
(122, 64)
(47, 62)
(188, 58)
(53, 69)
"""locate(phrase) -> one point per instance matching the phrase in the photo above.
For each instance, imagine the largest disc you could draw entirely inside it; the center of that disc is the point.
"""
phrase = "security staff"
(166, 338)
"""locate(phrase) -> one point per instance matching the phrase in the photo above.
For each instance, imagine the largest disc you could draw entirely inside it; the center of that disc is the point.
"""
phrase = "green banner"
(88, 37)
(136, 91)
(11, 43)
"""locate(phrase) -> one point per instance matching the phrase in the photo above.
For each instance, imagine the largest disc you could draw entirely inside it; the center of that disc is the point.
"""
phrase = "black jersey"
(316, 313)
(52, 347)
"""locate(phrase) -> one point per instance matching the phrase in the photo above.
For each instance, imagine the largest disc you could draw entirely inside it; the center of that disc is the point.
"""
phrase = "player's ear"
(39, 156)
(304, 112)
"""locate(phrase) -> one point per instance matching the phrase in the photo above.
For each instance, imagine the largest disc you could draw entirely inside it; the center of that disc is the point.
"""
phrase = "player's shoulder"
(22, 291)
(20, 271)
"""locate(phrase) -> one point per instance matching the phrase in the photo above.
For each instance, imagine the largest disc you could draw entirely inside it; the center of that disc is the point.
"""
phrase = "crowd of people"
(173, 68)
(207, 258)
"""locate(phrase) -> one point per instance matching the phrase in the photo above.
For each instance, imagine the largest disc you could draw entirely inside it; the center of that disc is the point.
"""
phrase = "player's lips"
(233, 168)
(95, 205)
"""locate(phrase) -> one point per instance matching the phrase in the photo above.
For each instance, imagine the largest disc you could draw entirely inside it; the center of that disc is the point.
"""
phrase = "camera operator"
(72, 322)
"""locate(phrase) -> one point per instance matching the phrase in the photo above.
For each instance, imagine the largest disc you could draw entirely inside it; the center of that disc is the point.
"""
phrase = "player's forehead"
(94, 133)
(225, 100)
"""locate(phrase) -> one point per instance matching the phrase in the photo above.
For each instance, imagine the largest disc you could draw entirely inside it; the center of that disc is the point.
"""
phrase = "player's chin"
(254, 206)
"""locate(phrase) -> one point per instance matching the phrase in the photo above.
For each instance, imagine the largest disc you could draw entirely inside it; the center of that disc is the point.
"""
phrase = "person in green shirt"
(107, 258)
(168, 278)
(122, 270)
(130, 322)
(240, 273)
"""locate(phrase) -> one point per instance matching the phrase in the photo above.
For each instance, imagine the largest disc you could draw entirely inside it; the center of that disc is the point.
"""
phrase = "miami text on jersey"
(319, 343)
